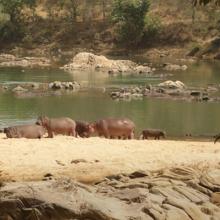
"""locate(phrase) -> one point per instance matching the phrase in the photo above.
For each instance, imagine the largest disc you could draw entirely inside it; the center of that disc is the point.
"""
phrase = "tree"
(14, 7)
(129, 16)
(14, 28)
(71, 7)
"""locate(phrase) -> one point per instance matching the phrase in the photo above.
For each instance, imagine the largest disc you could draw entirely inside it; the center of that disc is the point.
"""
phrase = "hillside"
(175, 27)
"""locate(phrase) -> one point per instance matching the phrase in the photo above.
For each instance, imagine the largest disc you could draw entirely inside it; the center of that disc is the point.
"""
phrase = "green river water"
(175, 117)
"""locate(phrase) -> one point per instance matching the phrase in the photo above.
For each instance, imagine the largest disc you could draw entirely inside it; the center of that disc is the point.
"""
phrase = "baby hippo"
(64, 126)
(152, 133)
(25, 131)
(83, 129)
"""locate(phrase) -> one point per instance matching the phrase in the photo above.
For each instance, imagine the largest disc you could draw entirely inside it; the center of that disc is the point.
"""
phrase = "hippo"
(64, 126)
(83, 129)
(152, 133)
(25, 131)
(217, 137)
(114, 128)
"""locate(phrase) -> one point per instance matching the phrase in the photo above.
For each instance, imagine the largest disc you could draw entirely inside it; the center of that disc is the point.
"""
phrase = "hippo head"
(43, 121)
(5, 130)
(163, 134)
(9, 132)
(91, 128)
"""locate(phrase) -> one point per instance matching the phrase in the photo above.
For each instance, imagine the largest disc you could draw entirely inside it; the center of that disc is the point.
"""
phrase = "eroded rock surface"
(179, 193)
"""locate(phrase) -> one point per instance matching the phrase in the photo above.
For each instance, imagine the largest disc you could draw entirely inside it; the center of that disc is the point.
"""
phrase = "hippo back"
(25, 131)
(115, 126)
(62, 123)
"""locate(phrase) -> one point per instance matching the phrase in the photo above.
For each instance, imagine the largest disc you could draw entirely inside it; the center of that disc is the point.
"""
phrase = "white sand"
(23, 159)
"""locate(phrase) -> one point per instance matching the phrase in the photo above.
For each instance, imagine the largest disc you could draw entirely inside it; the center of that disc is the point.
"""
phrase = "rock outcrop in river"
(168, 90)
(8, 60)
(178, 193)
(88, 61)
(27, 90)
(174, 67)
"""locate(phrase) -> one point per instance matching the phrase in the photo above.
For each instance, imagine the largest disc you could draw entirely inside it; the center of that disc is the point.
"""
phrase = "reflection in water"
(176, 117)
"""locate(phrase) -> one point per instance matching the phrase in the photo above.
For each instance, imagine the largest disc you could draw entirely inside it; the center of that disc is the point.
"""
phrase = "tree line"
(130, 17)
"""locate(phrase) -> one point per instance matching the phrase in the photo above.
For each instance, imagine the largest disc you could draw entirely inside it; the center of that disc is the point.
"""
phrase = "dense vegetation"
(130, 19)
(120, 22)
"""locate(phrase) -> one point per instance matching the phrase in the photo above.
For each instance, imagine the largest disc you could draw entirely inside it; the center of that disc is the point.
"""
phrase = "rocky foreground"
(178, 193)
(71, 178)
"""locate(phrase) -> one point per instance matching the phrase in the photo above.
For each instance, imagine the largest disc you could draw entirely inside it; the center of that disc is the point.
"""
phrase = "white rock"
(19, 89)
(169, 84)
(89, 61)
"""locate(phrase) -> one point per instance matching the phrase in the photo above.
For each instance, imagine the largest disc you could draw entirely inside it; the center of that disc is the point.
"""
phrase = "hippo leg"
(217, 137)
(85, 135)
(72, 133)
(132, 135)
(106, 136)
(105, 133)
(50, 134)
(18, 135)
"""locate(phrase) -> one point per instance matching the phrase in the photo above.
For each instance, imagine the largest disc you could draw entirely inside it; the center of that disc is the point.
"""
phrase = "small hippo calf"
(152, 133)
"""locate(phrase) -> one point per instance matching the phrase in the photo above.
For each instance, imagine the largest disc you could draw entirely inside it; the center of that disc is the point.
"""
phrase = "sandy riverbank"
(25, 160)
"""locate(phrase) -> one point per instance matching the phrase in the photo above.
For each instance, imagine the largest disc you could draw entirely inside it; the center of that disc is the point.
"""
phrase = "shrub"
(129, 16)
(14, 28)
(10, 32)
(152, 26)
(13, 8)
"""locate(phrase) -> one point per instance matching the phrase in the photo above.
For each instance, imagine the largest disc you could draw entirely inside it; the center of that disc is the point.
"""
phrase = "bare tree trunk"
(103, 9)
(88, 11)
(193, 13)
(73, 10)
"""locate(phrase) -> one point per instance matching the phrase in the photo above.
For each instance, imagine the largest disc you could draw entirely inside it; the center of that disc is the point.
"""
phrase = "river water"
(177, 118)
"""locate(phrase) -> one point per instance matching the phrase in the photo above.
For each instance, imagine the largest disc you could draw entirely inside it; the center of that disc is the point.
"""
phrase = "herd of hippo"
(108, 128)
